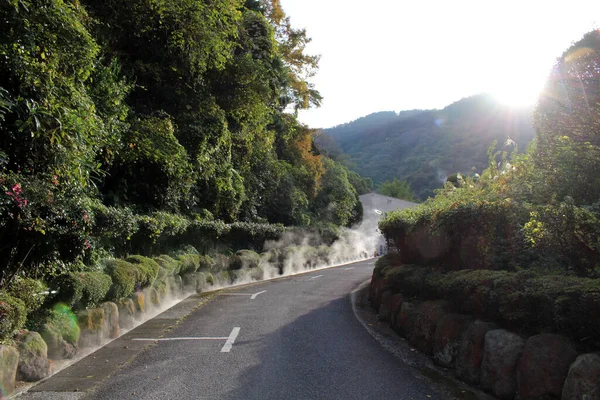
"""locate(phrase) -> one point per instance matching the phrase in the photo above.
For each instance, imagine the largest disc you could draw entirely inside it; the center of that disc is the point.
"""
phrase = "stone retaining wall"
(503, 363)
(31, 358)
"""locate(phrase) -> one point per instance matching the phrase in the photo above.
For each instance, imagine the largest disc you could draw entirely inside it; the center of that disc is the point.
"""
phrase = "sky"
(393, 55)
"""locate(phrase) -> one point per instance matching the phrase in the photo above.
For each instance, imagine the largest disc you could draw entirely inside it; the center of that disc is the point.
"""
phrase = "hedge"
(124, 278)
(189, 263)
(80, 290)
(171, 265)
(13, 315)
(522, 301)
(496, 234)
(123, 232)
(244, 259)
(146, 269)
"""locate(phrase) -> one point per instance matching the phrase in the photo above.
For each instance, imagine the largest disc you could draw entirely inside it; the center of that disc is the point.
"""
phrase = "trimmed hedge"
(171, 265)
(124, 278)
(521, 301)
(147, 269)
(80, 290)
(244, 259)
(189, 263)
(498, 234)
(13, 314)
(122, 232)
(207, 263)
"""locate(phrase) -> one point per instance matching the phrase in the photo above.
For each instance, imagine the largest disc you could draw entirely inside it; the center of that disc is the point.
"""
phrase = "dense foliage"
(140, 126)
(423, 147)
(537, 211)
(397, 189)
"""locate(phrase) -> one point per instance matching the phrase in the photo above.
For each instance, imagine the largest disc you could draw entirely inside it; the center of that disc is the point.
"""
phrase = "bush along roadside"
(41, 324)
(516, 335)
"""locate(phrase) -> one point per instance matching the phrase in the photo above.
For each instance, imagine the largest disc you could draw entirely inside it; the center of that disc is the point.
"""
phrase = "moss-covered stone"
(210, 279)
(9, 362)
(126, 313)
(58, 347)
(91, 322)
(152, 295)
(33, 357)
(111, 328)
(200, 282)
(139, 301)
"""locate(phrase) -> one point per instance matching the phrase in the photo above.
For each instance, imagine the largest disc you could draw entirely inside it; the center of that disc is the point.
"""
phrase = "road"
(297, 339)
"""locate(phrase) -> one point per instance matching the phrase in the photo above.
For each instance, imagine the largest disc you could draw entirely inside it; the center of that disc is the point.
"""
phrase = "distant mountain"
(425, 146)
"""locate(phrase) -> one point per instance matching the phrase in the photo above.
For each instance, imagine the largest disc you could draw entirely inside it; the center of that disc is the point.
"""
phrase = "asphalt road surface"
(292, 338)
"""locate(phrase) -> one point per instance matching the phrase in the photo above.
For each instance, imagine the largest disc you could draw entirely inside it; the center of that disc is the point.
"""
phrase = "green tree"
(568, 122)
(398, 189)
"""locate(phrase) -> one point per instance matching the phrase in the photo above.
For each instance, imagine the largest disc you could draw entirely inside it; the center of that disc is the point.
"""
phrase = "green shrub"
(114, 226)
(62, 320)
(523, 301)
(85, 289)
(171, 265)
(207, 263)
(189, 263)
(244, 259)
(13, 314)
(124, 278)
(147, 269)
(31, 292)
(210, 279)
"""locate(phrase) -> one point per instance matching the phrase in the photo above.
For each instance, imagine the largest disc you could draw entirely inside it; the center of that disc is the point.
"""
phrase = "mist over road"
(297, 339)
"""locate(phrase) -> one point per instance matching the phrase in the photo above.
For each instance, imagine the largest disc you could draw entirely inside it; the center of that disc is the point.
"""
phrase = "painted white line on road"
(230, 340)
(348, 269)
(236, 294)
(256, 294)
(180, 338)
(315, 277)
(252, 295)
(371, 263)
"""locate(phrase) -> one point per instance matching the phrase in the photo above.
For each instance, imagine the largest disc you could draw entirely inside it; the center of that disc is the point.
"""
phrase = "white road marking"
(371, 263)
(252, 295)
(315, 277)
(235, 294)
(256, 294)
(230, 340)
(181, 338)
(348, 269)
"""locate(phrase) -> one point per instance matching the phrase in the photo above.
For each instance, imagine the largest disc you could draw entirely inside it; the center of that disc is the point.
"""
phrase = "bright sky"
(382, 55)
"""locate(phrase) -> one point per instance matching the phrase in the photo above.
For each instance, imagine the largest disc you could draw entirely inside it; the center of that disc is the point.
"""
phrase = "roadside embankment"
(89, 309)
(514, 334)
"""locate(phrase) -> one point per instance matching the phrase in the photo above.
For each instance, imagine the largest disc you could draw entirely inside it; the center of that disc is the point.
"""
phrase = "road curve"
(298, 339)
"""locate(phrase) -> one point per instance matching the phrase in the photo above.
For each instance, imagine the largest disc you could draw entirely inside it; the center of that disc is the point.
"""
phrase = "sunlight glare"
(518, 90)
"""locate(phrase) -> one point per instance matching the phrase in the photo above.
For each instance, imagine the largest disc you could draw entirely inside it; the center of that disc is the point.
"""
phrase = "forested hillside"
(123, 123)
(424, 147)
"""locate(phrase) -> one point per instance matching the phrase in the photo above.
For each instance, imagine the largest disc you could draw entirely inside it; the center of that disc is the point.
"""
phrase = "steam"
(294, 253)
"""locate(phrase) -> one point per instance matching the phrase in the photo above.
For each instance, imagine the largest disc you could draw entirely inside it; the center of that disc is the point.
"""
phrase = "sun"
(518, 90)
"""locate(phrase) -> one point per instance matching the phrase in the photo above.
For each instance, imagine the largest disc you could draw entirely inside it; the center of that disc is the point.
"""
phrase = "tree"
(301, 66)
(398, 189)
(568, 121)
